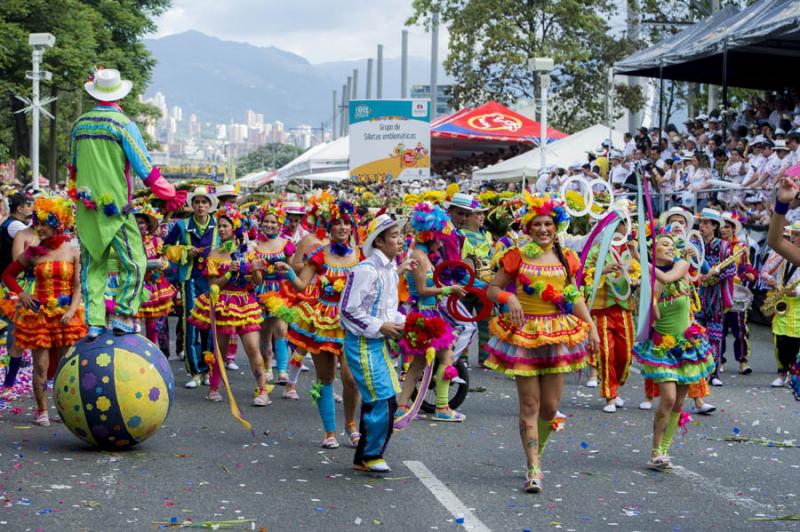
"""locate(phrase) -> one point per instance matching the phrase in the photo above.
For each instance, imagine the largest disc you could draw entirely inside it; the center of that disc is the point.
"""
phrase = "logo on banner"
(419, 108)
(495, 122)
(362, 111)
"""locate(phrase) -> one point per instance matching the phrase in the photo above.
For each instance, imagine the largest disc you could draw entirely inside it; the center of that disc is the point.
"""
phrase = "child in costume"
(272, 248)
(237, 312)
(426, 327)
(677, 221)
(156, 309)
(544, 332)
(369, 315)
(105, 145)
(677, 353)
(187, 245)
(53, 316)
(316, 328)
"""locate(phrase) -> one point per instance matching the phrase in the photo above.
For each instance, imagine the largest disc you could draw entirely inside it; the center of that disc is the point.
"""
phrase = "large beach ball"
(114, 391)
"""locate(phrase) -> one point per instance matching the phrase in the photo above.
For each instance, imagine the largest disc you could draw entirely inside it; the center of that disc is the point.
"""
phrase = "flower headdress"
(543, 205)
(147, 210)
(55, 211)
(325, 209)
(231, 213)
(272, 208)
(429, 222)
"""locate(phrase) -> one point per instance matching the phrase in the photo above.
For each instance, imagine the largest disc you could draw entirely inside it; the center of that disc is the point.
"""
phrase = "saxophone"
(776, 304)
(714, 272)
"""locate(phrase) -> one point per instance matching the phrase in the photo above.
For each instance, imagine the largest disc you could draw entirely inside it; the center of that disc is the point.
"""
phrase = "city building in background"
(443, 94)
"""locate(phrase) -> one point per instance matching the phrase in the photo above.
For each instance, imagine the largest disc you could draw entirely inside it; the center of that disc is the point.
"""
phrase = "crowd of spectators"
(730, 160)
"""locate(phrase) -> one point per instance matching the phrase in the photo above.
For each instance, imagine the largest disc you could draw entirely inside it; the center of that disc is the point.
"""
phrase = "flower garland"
(564, 299)
(46, 246)
(83, 196)
(328, 288)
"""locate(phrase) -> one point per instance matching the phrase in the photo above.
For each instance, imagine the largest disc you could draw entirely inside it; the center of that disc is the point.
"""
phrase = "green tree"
(492, 40)
(267, 156)
(88, 33)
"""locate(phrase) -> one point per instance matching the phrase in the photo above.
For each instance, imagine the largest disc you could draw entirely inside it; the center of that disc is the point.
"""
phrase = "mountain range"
(220, 80)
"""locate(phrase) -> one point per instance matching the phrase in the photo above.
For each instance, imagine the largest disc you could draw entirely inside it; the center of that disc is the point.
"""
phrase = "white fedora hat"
(729, 218)
(108, 85)
(710, 214)
(227, 190)
(378, 226)
(294, 207)
(464, 201)
(677, 211)
(203, 193)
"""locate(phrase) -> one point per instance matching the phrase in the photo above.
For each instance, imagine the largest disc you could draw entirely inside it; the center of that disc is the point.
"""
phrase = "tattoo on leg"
(533, 443)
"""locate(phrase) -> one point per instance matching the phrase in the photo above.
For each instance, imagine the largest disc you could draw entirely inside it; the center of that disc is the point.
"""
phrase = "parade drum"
(742, 298)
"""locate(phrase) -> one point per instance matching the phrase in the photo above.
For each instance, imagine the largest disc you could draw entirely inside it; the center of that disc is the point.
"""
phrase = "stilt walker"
(105, 145)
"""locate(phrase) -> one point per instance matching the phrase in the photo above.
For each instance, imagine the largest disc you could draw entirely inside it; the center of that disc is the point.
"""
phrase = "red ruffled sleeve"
(316, 257)
(511, 261)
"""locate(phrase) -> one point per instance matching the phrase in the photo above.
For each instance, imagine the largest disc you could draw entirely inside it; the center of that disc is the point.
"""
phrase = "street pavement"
(203, 466)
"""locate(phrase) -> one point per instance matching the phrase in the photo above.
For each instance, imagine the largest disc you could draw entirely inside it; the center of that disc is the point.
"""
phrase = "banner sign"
(390, 140)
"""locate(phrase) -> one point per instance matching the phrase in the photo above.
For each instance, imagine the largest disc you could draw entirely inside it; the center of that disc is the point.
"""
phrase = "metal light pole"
(404, 65)
(542, 66)
(434, 62)
(39, 42)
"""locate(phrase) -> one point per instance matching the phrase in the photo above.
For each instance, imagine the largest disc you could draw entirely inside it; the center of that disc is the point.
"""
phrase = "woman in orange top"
(544, 334)
(53, 316)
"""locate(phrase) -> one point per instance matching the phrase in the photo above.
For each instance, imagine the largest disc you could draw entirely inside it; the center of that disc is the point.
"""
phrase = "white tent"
(256, 179)
(326, 157)
(561, 153)
(323, 177)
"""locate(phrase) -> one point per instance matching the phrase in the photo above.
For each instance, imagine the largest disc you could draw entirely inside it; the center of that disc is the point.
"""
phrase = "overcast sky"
(319, 30)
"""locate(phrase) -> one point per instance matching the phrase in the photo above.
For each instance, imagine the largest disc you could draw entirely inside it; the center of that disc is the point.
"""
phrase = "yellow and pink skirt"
(236, 312)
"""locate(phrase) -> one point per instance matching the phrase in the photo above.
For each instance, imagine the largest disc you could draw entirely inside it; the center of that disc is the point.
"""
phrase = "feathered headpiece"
(232, 214)
(543, 205)
(54, 211)
(429, 222)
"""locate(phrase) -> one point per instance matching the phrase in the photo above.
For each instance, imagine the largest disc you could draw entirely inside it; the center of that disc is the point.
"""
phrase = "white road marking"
(711, 486)
(446, 497)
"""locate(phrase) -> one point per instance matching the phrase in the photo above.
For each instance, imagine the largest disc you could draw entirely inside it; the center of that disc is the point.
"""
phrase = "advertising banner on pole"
(390, 140)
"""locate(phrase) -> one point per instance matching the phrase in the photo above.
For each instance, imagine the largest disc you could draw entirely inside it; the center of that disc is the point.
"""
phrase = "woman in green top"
(677, 353)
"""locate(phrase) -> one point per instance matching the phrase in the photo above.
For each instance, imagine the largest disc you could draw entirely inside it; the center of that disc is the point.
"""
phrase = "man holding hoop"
(611, 313)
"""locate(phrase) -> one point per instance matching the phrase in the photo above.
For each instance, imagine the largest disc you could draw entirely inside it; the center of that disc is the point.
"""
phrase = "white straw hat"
(108, 85)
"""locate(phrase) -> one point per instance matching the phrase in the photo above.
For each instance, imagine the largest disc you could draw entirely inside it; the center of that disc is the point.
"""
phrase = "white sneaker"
(619, 402)
(706, 409)
(591, 383)
(645, 405)
(778, 382)
(458, 380)
(716, 382)
(191, 383)
(303, 368)
(206, 381)
(233, 366)
(610, 408)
